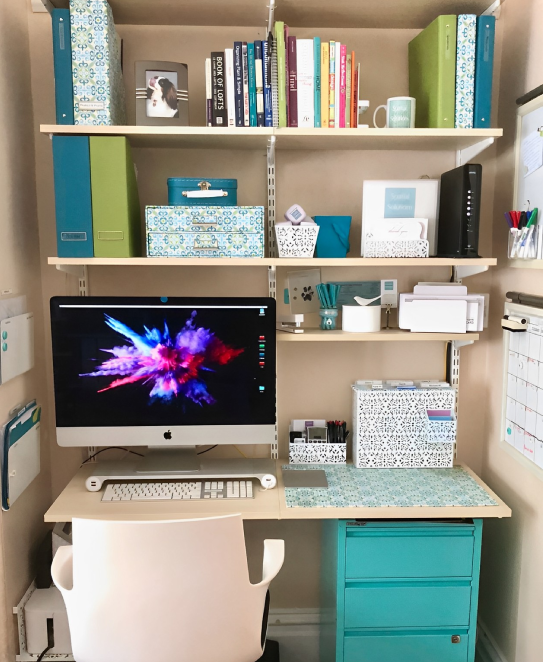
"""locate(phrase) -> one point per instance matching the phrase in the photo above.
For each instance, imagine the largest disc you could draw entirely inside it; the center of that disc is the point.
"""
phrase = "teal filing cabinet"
(400, 591)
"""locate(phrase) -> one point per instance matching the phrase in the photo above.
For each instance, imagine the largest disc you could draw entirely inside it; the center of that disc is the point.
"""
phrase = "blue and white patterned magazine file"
(465, 71)
(99, 96)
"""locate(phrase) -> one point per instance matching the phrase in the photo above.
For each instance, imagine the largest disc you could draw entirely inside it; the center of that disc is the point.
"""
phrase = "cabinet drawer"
(397, 605)
(404, 554)
(406, 647)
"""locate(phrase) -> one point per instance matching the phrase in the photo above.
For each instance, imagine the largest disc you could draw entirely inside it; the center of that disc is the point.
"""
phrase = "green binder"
(116, 220)
(432, 69)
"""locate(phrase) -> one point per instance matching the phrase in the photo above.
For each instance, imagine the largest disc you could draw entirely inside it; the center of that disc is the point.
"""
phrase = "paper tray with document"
(441, 314)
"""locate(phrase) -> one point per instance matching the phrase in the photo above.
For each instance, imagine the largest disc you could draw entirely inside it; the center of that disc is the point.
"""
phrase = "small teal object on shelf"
(333, 239)
(328, 294)
(198, 192)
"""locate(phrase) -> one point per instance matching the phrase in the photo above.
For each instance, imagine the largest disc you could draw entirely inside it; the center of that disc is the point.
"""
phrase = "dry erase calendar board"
(529, 156)
(522, 417)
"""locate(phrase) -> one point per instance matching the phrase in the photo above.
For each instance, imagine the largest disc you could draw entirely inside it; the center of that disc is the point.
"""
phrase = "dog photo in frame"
(162, 93)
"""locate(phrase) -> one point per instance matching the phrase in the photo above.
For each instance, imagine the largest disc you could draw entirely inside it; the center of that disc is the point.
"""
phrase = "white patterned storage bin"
(440, 432)
(296, 240)
(412, 248)
(391, 427)
(205, 231)
(317, 453)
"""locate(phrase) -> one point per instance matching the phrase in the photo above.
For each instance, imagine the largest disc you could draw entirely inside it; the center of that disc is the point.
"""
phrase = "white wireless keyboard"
(178, 490)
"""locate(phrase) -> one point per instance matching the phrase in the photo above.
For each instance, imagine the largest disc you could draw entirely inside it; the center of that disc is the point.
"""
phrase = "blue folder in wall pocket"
(484, 64)
(62, 58)
(20, 454)
(73, 201)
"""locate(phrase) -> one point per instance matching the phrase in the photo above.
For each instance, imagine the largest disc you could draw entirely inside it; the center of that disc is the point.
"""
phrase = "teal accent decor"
(400, 202)
(333, 238)
(399, 590)
(349, 487)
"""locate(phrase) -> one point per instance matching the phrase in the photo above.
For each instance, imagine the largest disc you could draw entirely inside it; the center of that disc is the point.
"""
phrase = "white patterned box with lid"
(205, 231)
(321, 453)
(391, 427)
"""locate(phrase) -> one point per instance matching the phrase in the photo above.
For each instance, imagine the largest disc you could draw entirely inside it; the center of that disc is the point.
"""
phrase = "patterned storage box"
(391, 427)
(296, 240)
(441, 431)
(317, 453)
(205, 231)
(99, 96)
(412, 248)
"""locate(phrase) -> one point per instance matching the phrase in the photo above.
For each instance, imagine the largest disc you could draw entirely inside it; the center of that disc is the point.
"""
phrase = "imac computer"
(166, 373)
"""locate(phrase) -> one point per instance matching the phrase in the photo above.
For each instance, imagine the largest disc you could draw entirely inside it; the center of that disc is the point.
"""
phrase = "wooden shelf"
(269, 262)
(201, 137)
(526, 264)
(390, 335)
(313, 13)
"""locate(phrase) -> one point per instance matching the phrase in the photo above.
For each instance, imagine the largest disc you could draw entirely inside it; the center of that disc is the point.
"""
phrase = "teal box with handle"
(333, 239)
(198, 192)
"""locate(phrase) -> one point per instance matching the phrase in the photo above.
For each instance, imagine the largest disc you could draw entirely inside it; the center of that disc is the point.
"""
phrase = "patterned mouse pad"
(349, 487)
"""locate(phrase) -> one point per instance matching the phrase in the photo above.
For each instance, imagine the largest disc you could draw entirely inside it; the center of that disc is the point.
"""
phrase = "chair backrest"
(164, 590)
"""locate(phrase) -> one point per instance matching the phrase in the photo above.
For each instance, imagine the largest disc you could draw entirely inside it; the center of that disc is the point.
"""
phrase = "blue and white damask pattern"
(391, 428)
(349, 487)
(465, 70)
(99, 96)
(205, 231)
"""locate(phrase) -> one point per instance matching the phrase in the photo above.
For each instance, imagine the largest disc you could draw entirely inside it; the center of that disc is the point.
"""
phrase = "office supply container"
(198, 192)
(296, 240)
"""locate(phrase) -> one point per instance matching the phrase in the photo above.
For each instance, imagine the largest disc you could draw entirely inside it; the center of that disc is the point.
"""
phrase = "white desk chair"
(171, 591)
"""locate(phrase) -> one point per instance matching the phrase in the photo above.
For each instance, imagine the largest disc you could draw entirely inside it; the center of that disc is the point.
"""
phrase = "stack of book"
(450, 72)
(283, 81)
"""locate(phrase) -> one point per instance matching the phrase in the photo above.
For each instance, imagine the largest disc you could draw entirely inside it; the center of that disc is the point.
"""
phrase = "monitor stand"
(170, 460)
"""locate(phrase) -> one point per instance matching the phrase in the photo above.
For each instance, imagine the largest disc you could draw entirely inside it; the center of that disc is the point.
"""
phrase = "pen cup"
(328, 318)
(362, 319)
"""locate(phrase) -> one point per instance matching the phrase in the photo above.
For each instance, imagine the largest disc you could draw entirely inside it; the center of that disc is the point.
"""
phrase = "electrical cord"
(110, 448)
(42, 654)
(207, 450)
(50, 639)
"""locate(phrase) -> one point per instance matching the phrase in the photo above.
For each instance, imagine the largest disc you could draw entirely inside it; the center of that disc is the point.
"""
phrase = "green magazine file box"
(432, 73)
(115, 202)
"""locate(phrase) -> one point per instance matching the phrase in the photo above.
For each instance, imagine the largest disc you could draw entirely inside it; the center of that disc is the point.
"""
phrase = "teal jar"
(328, 318)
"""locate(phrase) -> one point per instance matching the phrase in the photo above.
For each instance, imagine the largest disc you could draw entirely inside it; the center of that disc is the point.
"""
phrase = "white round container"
(361, 319)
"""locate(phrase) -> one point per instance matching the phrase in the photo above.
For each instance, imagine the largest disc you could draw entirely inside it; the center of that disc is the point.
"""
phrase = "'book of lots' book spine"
(218, 89)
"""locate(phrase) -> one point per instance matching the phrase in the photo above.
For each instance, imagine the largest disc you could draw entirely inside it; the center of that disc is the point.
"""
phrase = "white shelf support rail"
(465, 155)
(270, 187)
(494, 9)
(271, 16)
(81, 273)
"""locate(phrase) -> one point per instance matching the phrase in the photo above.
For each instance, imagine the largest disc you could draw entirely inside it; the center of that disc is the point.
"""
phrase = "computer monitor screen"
(140, 371)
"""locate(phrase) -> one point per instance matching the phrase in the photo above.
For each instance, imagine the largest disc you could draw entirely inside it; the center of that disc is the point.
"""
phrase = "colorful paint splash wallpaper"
(170, 366)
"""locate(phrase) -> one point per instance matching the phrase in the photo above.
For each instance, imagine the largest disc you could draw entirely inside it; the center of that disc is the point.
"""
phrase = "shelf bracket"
(270, 187)
(81, 273)
(41, 6)
(271, 16)
(465, 270)
(494, 9)
(465, 155)
(457, 344)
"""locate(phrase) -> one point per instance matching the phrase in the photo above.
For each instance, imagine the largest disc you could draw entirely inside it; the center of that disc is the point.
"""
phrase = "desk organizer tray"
(205, 231)
(320, 453)
(391, 428)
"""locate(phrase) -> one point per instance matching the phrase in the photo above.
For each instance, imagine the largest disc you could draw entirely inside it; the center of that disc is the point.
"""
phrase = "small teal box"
(333, 239)
(198, 192)
(205, 231)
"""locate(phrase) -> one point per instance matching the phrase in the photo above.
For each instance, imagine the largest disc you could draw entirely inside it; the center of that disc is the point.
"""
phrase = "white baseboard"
(487, 648)
(297, 631)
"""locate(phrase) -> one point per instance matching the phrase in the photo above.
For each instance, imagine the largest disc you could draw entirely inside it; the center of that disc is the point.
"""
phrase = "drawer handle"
(455, 639)
(211, 247)
(207, 223)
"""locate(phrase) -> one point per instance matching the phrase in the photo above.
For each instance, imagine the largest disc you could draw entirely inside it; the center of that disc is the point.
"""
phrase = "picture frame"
(162, 93)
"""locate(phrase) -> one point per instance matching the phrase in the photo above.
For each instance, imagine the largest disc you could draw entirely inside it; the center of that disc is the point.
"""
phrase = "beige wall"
(22, 528)
(512, 569)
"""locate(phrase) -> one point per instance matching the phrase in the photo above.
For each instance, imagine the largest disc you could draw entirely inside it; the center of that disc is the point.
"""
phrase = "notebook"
(465, 71)
(62, 60)
(432, 69)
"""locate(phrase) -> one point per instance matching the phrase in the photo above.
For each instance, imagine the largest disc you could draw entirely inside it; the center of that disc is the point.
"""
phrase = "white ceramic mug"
(400, 113)
(361, 319)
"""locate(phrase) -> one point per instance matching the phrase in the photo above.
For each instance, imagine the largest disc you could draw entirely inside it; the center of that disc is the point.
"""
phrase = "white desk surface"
(76, 501)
